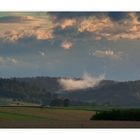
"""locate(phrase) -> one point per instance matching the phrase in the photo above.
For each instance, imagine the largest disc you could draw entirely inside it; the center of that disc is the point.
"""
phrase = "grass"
(93, 108)
(23, 113)
(18, 116)
(85, 108)
(71, 117)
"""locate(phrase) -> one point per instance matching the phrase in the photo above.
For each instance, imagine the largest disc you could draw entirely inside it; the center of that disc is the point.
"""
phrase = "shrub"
(128, 114)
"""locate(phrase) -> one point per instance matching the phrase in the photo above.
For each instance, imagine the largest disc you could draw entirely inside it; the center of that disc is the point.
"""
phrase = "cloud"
(43, 35)
(19, 27)
(13, 60)
(15, 19)
(66, 45)
(67, 23)
(9, 60)
(42, 53)
(117, 16)
(71, 15)
(94, 24)
(87, 81)
(106, 53)
(112, 29)
(112, 26)
(15, 35)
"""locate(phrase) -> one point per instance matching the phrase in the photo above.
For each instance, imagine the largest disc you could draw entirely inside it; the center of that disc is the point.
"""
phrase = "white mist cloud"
(42, 53)
(106, 54)
(87, 81)
(8, 60)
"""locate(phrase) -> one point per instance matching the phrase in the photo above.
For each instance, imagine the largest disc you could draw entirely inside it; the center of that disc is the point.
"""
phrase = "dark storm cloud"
(63, 15)
(67, 32)
(117, 16)
(138, 15)
(72, 34)
(14, 19)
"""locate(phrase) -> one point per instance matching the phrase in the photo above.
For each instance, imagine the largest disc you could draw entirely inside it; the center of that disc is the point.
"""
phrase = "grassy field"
(35, 117)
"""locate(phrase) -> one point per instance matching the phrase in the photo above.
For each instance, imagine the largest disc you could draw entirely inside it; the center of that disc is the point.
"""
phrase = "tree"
(57, 102)
(66, 102)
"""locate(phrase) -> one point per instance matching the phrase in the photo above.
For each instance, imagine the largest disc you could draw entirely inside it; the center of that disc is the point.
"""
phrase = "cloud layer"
(111, 26)
(9, 60)
(87, 81)
(20, 27)
(106, 54)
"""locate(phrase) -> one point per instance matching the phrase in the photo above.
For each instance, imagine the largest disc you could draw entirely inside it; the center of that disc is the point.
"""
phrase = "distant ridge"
(45, 89)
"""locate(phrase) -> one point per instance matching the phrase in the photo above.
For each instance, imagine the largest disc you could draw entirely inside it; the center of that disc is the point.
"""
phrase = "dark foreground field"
(28, 117)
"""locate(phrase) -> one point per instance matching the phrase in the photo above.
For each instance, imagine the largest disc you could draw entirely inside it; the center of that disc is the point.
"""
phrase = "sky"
(69, 44)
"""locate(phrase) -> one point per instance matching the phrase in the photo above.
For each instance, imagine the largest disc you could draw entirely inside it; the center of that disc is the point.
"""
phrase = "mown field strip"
(23, 113)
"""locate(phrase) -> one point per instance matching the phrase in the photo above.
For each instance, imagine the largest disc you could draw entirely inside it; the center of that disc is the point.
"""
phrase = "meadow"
(38, 117)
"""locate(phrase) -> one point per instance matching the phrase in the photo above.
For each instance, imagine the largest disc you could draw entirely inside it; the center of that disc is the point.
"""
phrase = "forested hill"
(109, 93)
(46, 89)
(38, 90)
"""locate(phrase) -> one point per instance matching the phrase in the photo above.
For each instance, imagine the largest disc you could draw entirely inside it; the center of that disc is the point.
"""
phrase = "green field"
(36, 113)
(74, 117)
(42, 117)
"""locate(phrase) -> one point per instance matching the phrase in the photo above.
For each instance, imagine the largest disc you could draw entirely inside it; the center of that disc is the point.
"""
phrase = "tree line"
(119, 114)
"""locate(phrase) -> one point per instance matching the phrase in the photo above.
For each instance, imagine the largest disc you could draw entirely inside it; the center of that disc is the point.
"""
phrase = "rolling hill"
(43, 90)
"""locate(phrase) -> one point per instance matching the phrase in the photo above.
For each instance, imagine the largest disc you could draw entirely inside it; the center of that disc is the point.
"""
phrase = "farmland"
(36, 117)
